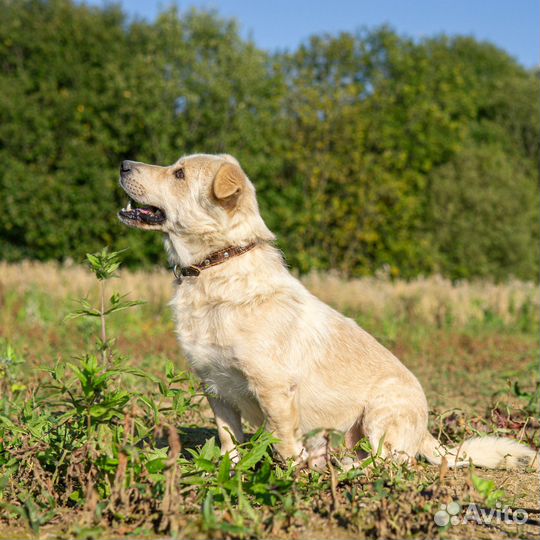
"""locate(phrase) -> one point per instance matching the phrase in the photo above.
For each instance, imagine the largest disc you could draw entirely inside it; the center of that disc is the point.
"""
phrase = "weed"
(487, 490)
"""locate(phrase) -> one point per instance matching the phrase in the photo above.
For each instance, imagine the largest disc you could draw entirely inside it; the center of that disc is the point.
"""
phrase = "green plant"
(104, 266)
(487, 490)
(79, 427)
(33, 514)
(530, 397)
(10, 363)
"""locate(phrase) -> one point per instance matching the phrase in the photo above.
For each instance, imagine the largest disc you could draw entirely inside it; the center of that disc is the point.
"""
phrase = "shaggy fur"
(266, 349)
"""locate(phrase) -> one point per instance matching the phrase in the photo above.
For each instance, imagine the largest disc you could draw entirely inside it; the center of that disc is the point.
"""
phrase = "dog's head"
(202, 202)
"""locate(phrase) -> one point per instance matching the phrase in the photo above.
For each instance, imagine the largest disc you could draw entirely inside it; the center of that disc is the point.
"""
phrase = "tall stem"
(103, 327)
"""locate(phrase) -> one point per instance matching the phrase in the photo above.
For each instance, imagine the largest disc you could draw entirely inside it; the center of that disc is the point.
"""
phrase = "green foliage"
(528, 399)
(487, 490)
(483, 209)
(104, 264)
(358, 143)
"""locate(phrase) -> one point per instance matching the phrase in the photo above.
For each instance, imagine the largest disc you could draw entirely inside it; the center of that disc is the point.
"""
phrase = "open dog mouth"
(145, 214)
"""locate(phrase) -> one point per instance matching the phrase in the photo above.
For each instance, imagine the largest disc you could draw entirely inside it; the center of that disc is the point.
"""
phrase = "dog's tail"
(488, 452)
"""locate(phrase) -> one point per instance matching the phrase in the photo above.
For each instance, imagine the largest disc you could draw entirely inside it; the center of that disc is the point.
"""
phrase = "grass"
(104, 433)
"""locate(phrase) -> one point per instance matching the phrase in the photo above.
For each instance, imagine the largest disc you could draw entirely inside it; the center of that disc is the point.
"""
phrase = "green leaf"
(224, 471)
(156, 465)
(205, 464)
(208, 514)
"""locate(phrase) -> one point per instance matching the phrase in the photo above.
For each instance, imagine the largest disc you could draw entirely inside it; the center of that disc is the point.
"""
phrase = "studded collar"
(215, 258)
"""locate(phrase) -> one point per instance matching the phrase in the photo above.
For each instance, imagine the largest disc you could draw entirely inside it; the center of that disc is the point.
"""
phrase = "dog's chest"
(202, 330)
(204, 334)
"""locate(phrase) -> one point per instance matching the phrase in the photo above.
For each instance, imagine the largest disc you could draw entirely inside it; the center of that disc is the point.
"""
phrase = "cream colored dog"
(266, 349)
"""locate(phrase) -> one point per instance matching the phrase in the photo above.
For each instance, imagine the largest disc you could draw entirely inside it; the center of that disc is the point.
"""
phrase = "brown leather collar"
(213, 259)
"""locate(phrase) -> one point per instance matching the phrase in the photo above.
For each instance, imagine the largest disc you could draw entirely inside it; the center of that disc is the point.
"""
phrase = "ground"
(118, 440)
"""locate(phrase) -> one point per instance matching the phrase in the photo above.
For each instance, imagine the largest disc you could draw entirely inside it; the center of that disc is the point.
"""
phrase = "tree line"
(370, 151)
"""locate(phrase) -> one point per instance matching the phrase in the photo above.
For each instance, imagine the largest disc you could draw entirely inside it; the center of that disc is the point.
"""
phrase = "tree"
(482, 205)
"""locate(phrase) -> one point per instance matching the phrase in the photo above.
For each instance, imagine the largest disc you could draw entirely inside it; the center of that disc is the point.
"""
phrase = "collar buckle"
(185, 271)
(190, 271)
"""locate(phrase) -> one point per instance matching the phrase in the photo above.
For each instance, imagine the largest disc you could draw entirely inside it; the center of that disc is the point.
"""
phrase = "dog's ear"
(228, 183)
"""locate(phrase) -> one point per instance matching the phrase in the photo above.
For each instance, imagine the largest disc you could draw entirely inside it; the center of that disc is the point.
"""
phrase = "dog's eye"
(179, 173)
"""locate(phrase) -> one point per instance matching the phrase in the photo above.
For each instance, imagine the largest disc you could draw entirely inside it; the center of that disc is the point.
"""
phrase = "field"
(103, 433)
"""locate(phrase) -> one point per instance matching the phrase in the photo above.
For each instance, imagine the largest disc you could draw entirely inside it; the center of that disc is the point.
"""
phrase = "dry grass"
(433, 300)
(65, 281)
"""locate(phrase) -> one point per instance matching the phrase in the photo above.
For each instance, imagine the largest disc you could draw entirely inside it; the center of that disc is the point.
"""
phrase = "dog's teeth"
(128, 207)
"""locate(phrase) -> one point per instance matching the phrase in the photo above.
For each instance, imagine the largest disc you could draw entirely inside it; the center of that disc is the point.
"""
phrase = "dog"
(266, 349)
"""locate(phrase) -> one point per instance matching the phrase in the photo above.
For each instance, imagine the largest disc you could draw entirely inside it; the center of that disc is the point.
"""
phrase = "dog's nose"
(126, 166)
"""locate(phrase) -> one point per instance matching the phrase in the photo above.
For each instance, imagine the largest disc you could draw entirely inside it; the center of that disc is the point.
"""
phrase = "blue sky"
(513, 25)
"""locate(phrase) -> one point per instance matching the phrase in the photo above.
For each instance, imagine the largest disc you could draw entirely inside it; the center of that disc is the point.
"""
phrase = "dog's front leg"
(229, 425)
(280, 407)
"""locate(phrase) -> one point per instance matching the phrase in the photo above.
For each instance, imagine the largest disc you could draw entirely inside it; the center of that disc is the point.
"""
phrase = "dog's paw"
(301, 458)
(234, 455)
(317, 462)
(349, 463)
